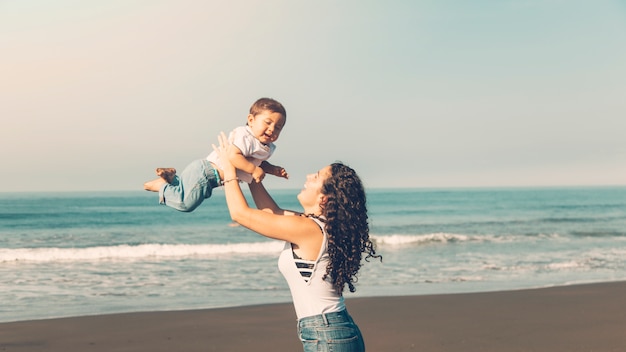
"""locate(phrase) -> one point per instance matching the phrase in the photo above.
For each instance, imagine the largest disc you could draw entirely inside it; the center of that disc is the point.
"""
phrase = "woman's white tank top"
(311, 295)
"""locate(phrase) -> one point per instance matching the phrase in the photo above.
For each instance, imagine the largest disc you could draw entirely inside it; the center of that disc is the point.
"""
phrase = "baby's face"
(266, 126)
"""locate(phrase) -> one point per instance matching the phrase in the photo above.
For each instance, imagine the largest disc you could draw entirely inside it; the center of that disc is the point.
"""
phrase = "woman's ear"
(323, 199)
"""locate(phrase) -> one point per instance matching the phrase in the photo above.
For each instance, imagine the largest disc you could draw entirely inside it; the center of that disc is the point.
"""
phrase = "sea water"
(71, 254)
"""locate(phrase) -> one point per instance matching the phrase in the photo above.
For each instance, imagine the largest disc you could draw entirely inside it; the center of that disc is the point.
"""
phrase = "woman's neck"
(316, 211)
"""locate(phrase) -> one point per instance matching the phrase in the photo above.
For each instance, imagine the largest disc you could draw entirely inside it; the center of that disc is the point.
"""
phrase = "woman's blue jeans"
(334, 332)
(191, 188)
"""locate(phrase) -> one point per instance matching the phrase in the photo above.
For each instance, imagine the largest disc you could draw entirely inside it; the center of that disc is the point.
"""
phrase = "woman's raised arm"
(263, 199)
(270, 221)
(265, 202)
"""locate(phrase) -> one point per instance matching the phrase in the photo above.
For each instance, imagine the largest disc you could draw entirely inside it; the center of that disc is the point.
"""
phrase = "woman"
(323, 247)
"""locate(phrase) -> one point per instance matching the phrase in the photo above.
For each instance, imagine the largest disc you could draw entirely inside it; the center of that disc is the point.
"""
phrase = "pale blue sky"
(95, 94)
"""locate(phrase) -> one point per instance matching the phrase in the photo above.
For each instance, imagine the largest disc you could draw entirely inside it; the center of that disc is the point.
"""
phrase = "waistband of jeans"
(215, 181)
(212, 174)
(326, 319)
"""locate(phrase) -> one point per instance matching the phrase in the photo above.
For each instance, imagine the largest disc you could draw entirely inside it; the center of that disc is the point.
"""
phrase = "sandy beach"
(573, 318)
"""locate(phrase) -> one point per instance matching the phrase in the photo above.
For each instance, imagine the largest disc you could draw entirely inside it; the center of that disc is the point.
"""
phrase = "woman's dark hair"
(347, 226)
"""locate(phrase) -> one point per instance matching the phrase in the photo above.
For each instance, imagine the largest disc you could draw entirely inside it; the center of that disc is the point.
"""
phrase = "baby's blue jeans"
(191, 188)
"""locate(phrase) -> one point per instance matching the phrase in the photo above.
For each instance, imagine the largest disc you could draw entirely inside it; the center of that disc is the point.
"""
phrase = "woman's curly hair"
(347, 226)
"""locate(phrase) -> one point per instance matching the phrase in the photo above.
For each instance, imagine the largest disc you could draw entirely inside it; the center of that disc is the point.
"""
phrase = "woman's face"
(311, 195)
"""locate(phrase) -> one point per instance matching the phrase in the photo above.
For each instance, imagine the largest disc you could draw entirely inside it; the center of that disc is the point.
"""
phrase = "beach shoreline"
(586, 317)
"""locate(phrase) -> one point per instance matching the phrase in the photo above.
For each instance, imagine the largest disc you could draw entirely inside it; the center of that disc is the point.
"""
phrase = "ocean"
(74, 254)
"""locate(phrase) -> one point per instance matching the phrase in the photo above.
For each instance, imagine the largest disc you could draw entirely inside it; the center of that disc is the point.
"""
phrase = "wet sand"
(569, 319)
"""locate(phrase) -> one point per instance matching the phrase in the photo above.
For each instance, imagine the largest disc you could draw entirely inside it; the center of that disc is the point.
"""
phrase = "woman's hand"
(222, 151)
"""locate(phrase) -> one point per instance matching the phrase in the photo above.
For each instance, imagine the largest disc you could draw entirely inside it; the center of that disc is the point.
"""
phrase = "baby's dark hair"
(267, 104)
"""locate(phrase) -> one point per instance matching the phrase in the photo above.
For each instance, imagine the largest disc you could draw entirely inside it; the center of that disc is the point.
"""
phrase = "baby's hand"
(258, 174)
(275, 170)
(280, 172)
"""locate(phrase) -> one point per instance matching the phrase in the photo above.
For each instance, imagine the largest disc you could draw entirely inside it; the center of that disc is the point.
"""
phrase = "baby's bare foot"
(166, 173)
(154, 185)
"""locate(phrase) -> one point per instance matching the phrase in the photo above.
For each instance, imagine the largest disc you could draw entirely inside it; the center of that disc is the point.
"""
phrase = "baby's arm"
(274, 170)
(242, 163)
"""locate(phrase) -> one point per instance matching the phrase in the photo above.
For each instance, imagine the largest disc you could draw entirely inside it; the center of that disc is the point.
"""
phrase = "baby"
(254, 144)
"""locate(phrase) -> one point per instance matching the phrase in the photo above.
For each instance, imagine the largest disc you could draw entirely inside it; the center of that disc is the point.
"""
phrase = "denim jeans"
(334, 332)
(191, 188)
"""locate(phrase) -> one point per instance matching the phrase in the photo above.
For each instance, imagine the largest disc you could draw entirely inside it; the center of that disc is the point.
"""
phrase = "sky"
(94, 95)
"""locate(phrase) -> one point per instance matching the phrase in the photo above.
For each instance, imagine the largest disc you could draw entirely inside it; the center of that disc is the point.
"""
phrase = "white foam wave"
(441, 237)
(126, 252)
(399, 240)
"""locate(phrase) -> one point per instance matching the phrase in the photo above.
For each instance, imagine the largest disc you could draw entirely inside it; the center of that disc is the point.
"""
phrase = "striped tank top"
(305, 267)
